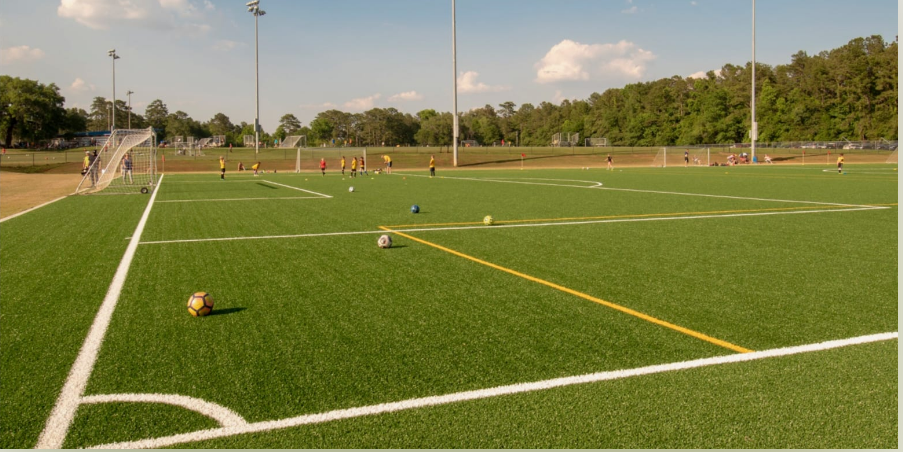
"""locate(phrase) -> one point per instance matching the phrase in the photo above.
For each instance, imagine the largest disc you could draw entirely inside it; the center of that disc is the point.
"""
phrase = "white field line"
(216, 181)
(153, 443)
(240, 199)
(598, 186)
(223, 415)
(10, 217)
(70, 396)
(299, 189)
(521, 225)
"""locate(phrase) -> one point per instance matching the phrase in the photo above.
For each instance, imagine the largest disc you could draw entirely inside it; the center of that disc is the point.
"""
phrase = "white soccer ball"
(350, 189)
(384, 241)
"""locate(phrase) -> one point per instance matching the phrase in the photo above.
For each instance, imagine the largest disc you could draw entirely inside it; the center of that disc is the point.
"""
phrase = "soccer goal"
(699, 156)
(565, 139)
(126, 164)
(892, 158)
(661, 158)
(294, 141)
(596, 142)
(248, 141)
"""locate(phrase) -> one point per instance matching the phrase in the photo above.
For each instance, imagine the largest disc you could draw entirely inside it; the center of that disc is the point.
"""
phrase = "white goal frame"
(294, 141)
(111, 173)
(596, 142)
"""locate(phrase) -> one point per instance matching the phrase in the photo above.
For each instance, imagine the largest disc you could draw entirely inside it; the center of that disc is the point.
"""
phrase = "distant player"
(611, 166)
(354, 167)
(686, 157)
(256, 167)
(388, 164)
(363, 167)
(343, 165)
(840, 164)
(768, 159)
(127, 168)
(241, 166)
(222, 168)
(323, 166)
(432, 165)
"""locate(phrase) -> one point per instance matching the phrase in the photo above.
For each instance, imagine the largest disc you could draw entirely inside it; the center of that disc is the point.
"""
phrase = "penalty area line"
(498, 391)
(63, 412)
(296, 188)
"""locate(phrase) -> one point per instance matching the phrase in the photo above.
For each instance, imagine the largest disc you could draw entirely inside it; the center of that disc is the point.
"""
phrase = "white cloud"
(226, 45)
(693, 3)
(326, 105)
(182, 15)
(631, 10)
(409, 95)
(703, 74)
(362, 103)
(570, 60)
(467, 83)
(80, 86)
(20, 53)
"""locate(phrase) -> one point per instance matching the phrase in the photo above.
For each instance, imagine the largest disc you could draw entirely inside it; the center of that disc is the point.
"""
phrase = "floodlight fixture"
(253, 3)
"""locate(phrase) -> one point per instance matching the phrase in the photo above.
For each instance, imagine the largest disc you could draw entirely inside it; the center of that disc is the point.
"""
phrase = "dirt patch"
(20, 192)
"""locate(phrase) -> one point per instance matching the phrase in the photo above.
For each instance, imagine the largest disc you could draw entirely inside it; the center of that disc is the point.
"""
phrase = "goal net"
(565, 139)
(698, 156)
(248, 141)
(294, 141)
(596, 142)
(126, 164)
(893, 157)
(661, 158)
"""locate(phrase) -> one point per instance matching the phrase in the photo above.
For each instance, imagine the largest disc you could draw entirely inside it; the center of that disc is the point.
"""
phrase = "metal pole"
(455, 79)
(129, 93)
(754, 134)
(257, 92)
(113, 126)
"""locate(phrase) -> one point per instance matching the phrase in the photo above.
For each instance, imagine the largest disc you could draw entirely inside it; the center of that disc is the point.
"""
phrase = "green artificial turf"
(311, 316)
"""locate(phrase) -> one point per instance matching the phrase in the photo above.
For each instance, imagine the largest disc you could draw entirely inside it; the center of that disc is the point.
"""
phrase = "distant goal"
(596, 142)
(294, 141)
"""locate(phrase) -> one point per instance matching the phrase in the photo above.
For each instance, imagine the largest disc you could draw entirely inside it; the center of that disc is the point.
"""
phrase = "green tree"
(29, 110)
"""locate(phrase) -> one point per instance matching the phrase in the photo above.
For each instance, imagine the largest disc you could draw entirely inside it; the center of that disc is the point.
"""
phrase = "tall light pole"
(129, 93)
(254, 8)
(455, 79)
(112, 54)
(754, 132)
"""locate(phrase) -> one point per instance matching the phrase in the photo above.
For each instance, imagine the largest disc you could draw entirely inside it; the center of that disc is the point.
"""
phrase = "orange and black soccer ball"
(200, 304)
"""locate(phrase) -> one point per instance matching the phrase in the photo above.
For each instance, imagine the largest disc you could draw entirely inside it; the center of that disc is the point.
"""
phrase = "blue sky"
(352, 55)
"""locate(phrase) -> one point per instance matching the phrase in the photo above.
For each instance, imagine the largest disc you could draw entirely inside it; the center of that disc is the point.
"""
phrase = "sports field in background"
(741, 307)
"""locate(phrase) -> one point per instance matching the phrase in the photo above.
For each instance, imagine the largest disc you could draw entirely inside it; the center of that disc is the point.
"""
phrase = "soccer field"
(741, 307)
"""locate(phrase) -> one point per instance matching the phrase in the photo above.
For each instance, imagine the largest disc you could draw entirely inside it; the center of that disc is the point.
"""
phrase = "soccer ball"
(350, 189)
(200, 304)
(488, 220)
(415, 209)
(384, 241)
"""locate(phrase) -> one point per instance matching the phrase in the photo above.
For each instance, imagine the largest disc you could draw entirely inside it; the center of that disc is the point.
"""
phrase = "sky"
(198, 56)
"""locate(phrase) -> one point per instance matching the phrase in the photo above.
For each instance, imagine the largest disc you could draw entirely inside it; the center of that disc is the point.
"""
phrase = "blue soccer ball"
(415, 209)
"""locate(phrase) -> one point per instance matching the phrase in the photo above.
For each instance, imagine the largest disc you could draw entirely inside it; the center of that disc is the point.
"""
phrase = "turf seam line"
(615, 306)
(63, 412)
(10, 217)
(517, 388)
(296, 188)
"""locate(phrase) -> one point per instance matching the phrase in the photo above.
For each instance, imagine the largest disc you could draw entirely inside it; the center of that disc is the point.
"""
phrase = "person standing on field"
(432, 165)
(127, 168)
(323, 166)
(354, 167)
(222, 168)
(363, 167)
(343, 165)
(840, 164)
(610, 165)
(686, 157)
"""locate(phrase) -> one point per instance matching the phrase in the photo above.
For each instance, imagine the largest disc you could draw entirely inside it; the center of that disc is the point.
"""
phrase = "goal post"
(892, 158)
(661, 158)
(126, 164)
(294, 141)
(596, 142)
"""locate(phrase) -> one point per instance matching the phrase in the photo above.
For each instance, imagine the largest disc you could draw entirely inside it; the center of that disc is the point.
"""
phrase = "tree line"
(846, 93)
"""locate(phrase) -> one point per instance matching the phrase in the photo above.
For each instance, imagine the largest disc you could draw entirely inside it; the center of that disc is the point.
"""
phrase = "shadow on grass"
(267, 186)
(226, 311)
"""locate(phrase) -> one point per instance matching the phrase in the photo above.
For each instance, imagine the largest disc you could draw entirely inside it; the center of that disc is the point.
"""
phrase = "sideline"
(10, 217)
(63, 413)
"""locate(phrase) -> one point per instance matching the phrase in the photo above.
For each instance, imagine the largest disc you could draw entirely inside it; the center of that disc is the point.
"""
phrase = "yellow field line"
(608, 217)
(609, 304)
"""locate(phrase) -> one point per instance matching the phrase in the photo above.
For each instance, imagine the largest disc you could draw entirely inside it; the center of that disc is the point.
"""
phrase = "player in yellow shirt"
(343, 165)
(388, 164)
(840, 164)
(255, 167)
(222, 168)
(432, 165)
(354, 167)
